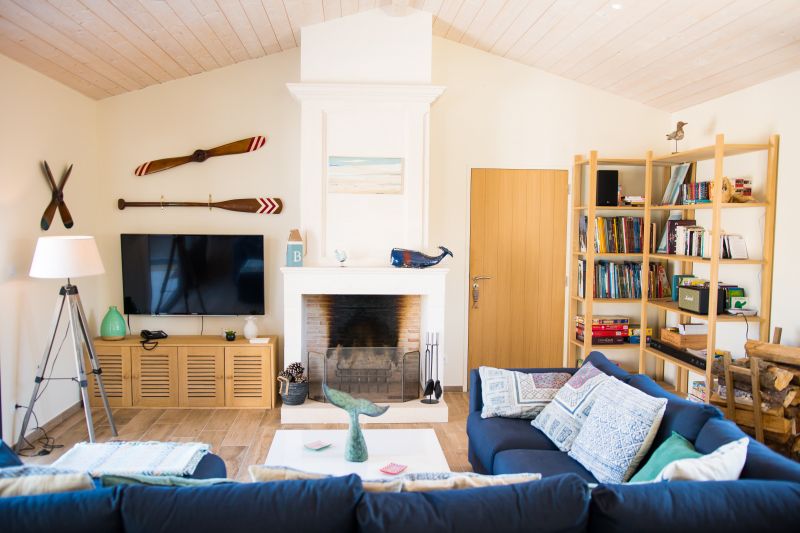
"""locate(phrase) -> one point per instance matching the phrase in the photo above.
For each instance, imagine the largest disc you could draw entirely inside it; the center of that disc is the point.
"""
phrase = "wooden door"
(155, 376)
(249, 377)
(201, 372)
(518, 233)
(115, 362)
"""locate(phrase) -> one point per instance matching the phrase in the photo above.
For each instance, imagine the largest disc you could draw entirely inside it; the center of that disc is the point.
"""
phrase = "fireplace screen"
(379, 374)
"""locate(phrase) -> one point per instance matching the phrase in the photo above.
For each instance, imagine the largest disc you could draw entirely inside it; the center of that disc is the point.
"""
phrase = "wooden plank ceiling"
(665, 53)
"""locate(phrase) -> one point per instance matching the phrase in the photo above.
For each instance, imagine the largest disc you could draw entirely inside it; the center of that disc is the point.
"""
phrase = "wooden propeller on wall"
(57, 199)
(238, 147)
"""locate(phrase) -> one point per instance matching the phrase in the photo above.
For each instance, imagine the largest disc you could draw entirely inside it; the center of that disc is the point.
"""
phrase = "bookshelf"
(584, 187)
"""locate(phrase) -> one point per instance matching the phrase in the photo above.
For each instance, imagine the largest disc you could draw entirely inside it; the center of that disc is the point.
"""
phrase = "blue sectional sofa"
(767, 498)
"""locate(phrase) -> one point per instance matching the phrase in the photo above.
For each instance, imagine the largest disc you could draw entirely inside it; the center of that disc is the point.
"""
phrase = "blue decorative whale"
(410, 259)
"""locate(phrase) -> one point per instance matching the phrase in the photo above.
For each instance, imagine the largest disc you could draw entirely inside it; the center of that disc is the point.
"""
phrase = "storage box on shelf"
(187, 371)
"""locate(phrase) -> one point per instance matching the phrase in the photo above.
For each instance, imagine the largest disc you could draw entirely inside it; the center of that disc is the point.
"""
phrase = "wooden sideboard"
(187, 371)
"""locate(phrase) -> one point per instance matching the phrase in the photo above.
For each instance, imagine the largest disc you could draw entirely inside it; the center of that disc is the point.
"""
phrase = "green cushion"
(111, 480)
(674, 448)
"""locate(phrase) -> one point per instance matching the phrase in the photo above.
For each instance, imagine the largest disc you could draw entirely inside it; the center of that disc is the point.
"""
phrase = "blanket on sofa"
(124, 458)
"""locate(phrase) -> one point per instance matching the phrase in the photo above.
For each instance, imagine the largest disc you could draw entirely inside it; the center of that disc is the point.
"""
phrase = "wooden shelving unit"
(683, 264)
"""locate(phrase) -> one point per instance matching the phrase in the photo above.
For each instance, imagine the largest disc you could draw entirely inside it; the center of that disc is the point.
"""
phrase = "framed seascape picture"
(365, 175)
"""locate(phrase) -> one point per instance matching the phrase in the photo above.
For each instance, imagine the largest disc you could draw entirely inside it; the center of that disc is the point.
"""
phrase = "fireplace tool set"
(433, 389)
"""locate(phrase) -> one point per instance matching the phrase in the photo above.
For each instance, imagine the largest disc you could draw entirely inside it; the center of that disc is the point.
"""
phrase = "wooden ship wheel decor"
(250, 144)
(57, 199)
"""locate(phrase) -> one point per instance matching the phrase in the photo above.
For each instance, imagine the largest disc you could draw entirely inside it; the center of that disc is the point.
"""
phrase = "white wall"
(501, 114)
(750, 116)
(41, 120)
(176, 118)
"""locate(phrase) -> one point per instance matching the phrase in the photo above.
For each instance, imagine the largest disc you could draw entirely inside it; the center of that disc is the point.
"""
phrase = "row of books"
(685, 237)
(618, 332)
(696, 193)
(606, 329)
(615, 235)
(624, 280)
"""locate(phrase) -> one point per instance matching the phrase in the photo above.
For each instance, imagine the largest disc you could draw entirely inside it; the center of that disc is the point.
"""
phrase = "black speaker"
(607, 187)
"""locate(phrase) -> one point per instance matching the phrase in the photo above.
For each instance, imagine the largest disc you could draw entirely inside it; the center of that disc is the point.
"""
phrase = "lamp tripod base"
(79, 333)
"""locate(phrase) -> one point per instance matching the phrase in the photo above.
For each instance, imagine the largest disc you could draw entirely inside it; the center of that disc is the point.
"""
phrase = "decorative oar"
(57, 199)
(238, 147)
(262, 206)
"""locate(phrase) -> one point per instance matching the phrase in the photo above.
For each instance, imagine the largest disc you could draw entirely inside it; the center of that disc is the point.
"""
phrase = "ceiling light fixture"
(616, 6)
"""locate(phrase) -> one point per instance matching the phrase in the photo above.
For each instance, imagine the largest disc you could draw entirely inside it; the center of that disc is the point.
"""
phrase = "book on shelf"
(697, 391)
(680, 174)
(602, 340)
(617, 280)
(604, 332)
(671, 228)
(734, 247)
(659, 285)
(581, 278)
(604, 320)
(615, 235)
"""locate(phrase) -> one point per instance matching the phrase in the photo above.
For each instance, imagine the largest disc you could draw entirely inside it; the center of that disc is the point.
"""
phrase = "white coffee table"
(417, 448)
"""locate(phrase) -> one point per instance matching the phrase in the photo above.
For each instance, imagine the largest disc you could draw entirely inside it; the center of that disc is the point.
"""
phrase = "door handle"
(476, 289)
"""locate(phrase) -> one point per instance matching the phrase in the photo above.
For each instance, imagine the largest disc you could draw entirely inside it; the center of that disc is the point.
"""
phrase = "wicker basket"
(293, 393)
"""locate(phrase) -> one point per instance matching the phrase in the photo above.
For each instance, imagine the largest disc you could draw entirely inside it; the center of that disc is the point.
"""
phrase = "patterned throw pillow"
(30, 480)
(513, 394)
(561, 419)
(618, 432)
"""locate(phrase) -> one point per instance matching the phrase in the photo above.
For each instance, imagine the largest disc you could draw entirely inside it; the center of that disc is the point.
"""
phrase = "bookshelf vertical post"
(769, 238)
(645, 272)
(588, 297)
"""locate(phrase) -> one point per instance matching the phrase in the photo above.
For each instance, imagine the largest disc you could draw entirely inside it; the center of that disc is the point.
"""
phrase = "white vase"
(250, 328)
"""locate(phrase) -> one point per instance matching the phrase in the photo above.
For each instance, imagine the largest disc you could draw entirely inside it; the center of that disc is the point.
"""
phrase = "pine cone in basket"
(295, 369)
(301, 379)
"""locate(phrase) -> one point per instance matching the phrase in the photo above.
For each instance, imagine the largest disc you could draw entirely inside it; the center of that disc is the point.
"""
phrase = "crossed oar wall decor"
(260, 205)
(57, 199)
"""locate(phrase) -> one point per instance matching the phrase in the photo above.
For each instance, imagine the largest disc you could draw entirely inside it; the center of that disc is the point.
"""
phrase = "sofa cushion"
(762, 463)
(555, 504)
(210, 467)
(730, 506)
(562, 419)
(88, 511)
(723, 464)
(476, 390)
(487, 436)
(513, 394)
(618, 432)
(681, 416)
(674, 448)
(7, 456)
(602, 363)
(297, 506)
(548, 463)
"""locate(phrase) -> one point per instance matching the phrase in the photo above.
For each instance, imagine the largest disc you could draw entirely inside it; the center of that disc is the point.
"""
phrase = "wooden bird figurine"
(677, 135)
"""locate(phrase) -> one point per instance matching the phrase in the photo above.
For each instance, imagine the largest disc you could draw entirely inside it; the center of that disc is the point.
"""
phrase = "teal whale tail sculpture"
(356, 447)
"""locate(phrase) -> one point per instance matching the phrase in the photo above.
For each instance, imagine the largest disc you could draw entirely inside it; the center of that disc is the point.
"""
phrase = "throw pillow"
(674, 448)
(723, 464)
(618, 432)
(512, 394)
(7, 456)
(561, 419)
(414, 482)
(32, 480)
(112, 480)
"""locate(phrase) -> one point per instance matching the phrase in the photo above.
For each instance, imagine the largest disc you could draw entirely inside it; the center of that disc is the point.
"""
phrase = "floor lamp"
(68, 257)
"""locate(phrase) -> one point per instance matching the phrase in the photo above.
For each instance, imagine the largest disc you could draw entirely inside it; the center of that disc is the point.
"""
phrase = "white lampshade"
(66, 257)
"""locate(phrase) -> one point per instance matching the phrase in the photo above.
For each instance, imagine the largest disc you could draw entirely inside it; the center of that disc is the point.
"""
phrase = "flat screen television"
(193, 274)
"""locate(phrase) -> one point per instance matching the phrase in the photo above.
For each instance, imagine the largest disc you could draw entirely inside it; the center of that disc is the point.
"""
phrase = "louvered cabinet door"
(248, 376)
(115, 363)
(155, 376)
(201, 370)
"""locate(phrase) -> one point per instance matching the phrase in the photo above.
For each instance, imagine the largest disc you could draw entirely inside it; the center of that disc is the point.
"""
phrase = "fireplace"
(363, 344)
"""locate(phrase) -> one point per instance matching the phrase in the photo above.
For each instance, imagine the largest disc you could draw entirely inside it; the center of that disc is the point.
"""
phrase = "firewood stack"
(778, 373)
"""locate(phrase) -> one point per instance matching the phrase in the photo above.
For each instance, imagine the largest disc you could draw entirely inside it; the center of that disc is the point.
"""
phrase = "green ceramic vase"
(113, 326)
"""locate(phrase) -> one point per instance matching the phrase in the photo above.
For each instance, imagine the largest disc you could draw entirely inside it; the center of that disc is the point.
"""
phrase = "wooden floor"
(241, 437)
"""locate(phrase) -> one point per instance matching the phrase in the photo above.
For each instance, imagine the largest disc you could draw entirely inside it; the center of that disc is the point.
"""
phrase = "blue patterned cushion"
(513, 394)
(561, 419)
(618, 432)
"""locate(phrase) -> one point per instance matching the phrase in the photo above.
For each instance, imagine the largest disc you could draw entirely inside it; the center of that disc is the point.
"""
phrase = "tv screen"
(193, 274)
